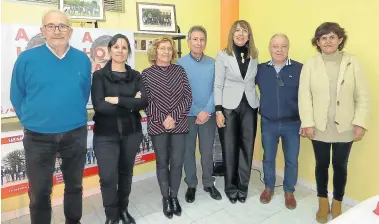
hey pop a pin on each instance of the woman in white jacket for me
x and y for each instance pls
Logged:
(334, 111)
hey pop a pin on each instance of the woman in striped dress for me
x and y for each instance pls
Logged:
(170, 98)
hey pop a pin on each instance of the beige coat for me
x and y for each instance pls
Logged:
(352, 95)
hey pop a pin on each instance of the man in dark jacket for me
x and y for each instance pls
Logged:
(278, 81)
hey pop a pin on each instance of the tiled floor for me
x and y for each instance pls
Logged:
(146, 207)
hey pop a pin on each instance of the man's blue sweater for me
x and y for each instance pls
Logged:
(201, 78)
(279, 91)
(50, 94)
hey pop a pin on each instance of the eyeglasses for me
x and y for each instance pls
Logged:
(279, 80)
(61, 27)
(169, 49)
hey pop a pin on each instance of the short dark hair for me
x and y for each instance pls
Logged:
(114, 39)
(326, 28)
(101, 41)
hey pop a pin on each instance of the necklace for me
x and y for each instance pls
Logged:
(243, 59)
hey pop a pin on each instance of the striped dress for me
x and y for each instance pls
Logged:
(169, 93)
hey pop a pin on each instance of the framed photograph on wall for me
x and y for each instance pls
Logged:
(156, 17)
(83, 9)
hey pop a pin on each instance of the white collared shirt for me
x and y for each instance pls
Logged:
(51, 49)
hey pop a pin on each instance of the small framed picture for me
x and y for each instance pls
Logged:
(83, 9)
(142, 44)
(156, 17)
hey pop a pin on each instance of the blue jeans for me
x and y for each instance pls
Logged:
(288, 131)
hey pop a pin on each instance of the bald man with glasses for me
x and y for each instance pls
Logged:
(50, 89)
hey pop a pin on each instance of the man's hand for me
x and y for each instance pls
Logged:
(112, 100)
(138, 95)
(358, 132)
(202, 117)
(169, 123)
(220, 120)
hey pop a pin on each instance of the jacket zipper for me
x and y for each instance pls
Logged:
(277, 97)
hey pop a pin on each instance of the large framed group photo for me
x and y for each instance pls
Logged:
(155, 17)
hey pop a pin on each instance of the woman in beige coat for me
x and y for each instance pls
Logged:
(334, 111)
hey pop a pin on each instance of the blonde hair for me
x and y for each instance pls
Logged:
(252, 50)
(152, 50)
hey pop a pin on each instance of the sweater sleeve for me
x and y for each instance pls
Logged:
(152, 110)
(361, 97)
(194, 108)
(210, 104)
(98, 96)
(18, 86)
(133, 103)
(183, 108)
(305, 98)
(87, 85)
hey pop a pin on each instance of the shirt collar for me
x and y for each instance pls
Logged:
(288, 62)
(198, 60)
(52, 51)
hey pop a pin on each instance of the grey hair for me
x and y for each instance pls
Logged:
(197, 28)
(55, 11)
(279, 35)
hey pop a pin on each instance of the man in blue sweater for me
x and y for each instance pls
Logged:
(278, 81)
(49, 91)
(201, 118)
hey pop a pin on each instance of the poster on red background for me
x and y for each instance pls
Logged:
(14, 179)
(17, 38)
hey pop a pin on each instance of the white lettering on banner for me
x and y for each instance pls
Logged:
(17, 38)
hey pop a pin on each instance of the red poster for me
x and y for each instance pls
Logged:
(13, 173)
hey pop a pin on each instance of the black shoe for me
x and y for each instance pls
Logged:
(111, 222)
(126, 218)
(213, 192)
(176, 209)
(190, 194)
(167, 207)
(242, 199)
(232, 200)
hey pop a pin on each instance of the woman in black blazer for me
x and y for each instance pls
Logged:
(117, 97)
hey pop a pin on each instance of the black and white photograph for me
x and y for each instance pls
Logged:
(156, 17)
(83, 9)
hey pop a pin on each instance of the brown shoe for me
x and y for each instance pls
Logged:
(323, 210)
(266, 196)
(336, 209)
(290, 200)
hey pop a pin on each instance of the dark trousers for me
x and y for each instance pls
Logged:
(238, 147)
(40, 156)
(288, 131)
(115, 158)
(340, 156)
(206, 133)
(169, 151)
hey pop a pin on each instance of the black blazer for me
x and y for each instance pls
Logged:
(123, 118)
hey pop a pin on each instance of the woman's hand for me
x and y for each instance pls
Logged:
(358, 132)
(220, 120)
(169, 123)
(112, 100)
(309, 132)
(138, 95)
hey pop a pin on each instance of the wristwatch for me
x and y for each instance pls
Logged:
(218, 112)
